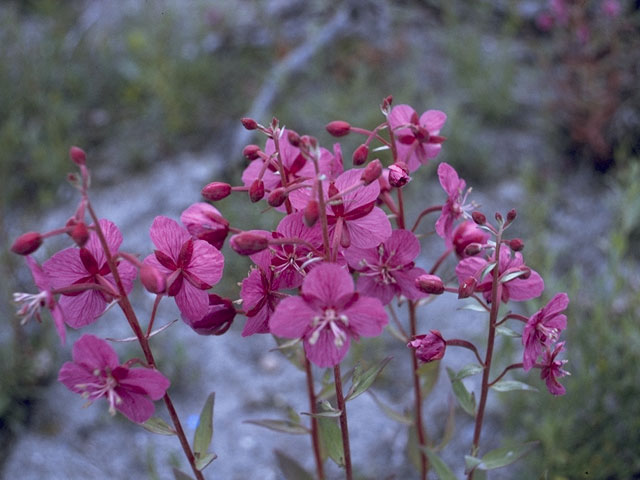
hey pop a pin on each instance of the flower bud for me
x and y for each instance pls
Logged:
(399, 175)
(256, 190)
(479, 217)
(249, 123)
(516, 244)
(429, 347)
(277, 197)
(386, 105)
(468, 239)
(360, 155)
(471, 250)
(294, 138)
(338, 128)
(511, 215)
(311, 213)
(215, 191)
(205, 222)
(80, 234)
(371, 172)
(251, 152)
(248, 243)
(78, 156)
(218, 318)
(27, 243)
(499, 218)
(431, 284)
(467, 287)
(152, 279)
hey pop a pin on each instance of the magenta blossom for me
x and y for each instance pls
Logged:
(429, 347)
(454, 207)
(88, 265)
(543, 329)
(388, 269)
(96, 372)
(552, 370)
(417, 138)
(32, 304)
(327, 315)
(517, 289)
(465, 234)
(205, 222)
(191, 266)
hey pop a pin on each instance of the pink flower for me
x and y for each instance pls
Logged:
(465, 234)
(417, 138)
(218, 318)
(552, 370)
(388, 269)
(543, 329)
(205, 222)
(327, 315)
(33, 303)
(454, 207)
(517, 289)
(260, 294)
(191, 266)
(74, 266)
(96, 372)
(429, 347)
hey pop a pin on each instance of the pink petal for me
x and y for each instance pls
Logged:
(403, 247)
(258, 323)
(428, 151)
(40, 278)
(153, 382)
(469, 267)
(293, 226)
(557, 304)
(153, 261)
(324, 352)
(64, 268)
(292, 318)
(112, 236)
(360, 196)
(192, 302)
(135, 406)
(433, 120)
(367, 317)
(327, 282)
(58, 320)
(520, 289)
(355, 255)
(400, 115)
(406, 283)
(407, 154)
(252, 290)
(71, 375)
(168, 236)
(371, 287)
(93, 353)
(449, 179)
(84, 309)
(370, 230)
(206, 263)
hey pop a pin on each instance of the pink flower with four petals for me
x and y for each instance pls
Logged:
(543, 329)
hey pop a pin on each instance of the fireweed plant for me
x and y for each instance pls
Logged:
(329, 273)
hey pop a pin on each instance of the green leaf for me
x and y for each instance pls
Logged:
(203, 461)
(290, 468)
(510, 385)
(439, 466)
(325, 410)
(331, 439)
(507, 332)
(474, 307)
(510, 276)
(284, 426)
(466, 400)
(468, 371)
(204, 431)
(470, 462)
(389, 412)
(159, 426)
(501, 457)
(180, 475)
(429, 373)
(413, 452)
(363, 380)
(486, 270)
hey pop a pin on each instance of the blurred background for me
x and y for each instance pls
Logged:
(543, 113)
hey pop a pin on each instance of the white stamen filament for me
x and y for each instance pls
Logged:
(31, 303)
(330, 320)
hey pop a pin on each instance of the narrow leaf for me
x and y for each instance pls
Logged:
(510, 276)
(180, 475)
(159, 426)
(501, 457)
(290, 468)
(507, 332)
(203, 462)
(487, 269)
(391, 413)
(135, 339)
(473, 307)
(284, 426)
(470, 462)
(510, 385)
(204, 431)
(468, 371)
(466, 400)
(439, 466)
(331, 438)
(363, 380)
(429, 373)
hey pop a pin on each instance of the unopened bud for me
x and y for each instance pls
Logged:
(479, 218)
(215, 191)
(78, 156)
(80, 234)
(386, 104)
(360, 154)
(249, 123)
(498, 217)
(468, 239)
(311, 213)
(218, 318)
(526, 273)
(251, 152)
(152, 279)
(471, 250)
(511, 215)
(338, 128)
(429, 347)
(399, 175)
(467, 287)
(294, 138)
(248, 243)
(27, 243)
(256, 190)
(431, 284)
(310, 143)
(516, 244)
(277, 197)
(371, 172)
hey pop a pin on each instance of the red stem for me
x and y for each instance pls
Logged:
(419, 423)
(315, 439)
(344, 427)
